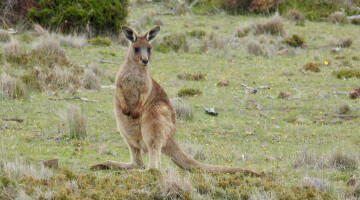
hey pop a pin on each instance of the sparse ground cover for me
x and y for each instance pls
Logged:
(308, 139)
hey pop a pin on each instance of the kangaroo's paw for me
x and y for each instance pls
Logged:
(126, 110)
(136, 113)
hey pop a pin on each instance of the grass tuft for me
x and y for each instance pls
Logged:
(338, 18)
(14, 53)
(344, 42)
(75, 121)
(175, 187)
(100, 41)
(91, 81)
(183, 110)
(342, 161)
(11, 88)
(254, 48)
(347, 73)
(296, 17)
(242, 31)
(196, 33)
(188, 92)
(4, 36)
(273, 26)
(314, 67)
(47, 51)
(173, 42)
(192, 77)
(294, 41)
(73, 41)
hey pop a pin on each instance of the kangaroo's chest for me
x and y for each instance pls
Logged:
(132, 85)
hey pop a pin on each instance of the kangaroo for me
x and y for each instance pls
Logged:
(144, 115)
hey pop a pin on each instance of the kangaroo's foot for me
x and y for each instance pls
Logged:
(114, 165)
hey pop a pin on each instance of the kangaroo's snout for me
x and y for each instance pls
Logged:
(144, 62)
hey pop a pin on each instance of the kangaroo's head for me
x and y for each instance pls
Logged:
(140, 47)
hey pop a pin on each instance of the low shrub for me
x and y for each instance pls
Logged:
(188, 92)
(174, 42)
(312, 67)
(47, 51)
(193, 77)
(273, 26)
(347, 73)
(80, 16)
(338, 18)
(4, 36)
(196, 33)
(294, 41)
(344, 42)
(31, 80)
(14, 53)
(75, 121)
(296, 17)
(254, 48)
(242, 31)
(343, 161)
(100, 41)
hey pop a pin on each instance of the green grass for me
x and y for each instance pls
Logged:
(268, 138)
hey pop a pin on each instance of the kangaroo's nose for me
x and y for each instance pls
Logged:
(145, 62)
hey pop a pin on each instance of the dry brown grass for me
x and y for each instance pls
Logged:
(96, 69)
(212, 41)
(344, 42)
(62, 78)
(13, 52)
(75, 121)
(296, 17)
(183, 111)
(273, 26)
(319, 184)
(40, 31)
(338, 18)
(77, 41)
(47, 51)
(4, 36)
(10, 87)
(254, 48)
(91, 81)
(175, 186)
(309, 160)
(342, 161)
(243, 31)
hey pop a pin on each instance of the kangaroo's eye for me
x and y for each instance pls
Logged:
(149, 50)
(137, 50)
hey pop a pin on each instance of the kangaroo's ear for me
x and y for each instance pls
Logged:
(129, 33)
(152, 33)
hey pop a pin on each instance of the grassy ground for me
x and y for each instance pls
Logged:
(287, 139)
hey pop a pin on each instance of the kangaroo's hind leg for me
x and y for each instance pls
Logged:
(136, 161)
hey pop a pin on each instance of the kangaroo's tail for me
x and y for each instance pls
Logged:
(184, 161)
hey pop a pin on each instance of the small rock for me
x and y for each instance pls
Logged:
(281, 52)
(335, 50)
(283, 95)
(223, 83)
(211, 111)
(53, 163)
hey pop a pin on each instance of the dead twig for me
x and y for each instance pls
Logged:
(253, 90)
(108, 61)
(172, 11)
(73, 97)
(13, 119)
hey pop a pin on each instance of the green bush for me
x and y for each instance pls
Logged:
(102, 16)
(174, 42)
(294, 41)
(188, 92)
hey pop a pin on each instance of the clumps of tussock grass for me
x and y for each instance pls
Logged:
(77, 41)
(175, 42)
(75, 122)
(296, 17)
(347, 73)
(100, 41)
(242, 31)
(338, 18)
(96, 69)
(254, 47)
(62, 78)
(354, 192)
(4, 36)
(91, 81)
(15, 170)
(32, 80)
(344, 109)
(309, 160)
(355, 20)
(192, 77)
(294, 41)
(40, 31)
(157, 22)
(104, 149)
(319, 184)
(273, 26)
(212, 41)
(13, 52)
(26, 38)
(183, 110)
(188, 92)
(314, 67)
(355, 93)
(175, 186)
(199, 34)
(47, 50)
(344, 42)
(11, 88)
(342, 161)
